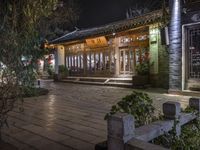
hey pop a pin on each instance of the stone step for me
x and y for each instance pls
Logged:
(118, 84)
(93, 79)
(127, 85)
(120, 81)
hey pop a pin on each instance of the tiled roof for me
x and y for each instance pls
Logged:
(145, 19)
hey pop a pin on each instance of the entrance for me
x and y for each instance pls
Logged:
(192, 55)
(126, 61)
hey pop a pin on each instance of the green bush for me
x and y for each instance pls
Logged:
(137, 104)
(50, 71)
(143, 68)
(189, 138)
(63, 71)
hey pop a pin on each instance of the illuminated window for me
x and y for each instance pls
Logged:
(81, 61)
(92, 62)
(88, 61)
(97, 63)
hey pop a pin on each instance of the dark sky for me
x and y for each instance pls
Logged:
(98, 12)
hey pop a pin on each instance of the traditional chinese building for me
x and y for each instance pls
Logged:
(115, 49)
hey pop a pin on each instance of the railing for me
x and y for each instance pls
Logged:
(122, 134)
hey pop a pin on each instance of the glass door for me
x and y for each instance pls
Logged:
(126, 61)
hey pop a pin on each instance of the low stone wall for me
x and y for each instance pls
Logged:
(122, 134)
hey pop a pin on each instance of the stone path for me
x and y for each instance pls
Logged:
(71, 116)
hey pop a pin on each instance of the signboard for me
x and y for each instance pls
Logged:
(134, 40)
(97, 42)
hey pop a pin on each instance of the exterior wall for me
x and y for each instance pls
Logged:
(153, 48)
(159, 58)
(163, 57)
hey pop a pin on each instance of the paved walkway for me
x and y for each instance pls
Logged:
(70, 117)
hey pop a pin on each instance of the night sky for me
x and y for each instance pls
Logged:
(99, 12)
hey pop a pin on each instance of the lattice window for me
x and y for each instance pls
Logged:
(194, 52)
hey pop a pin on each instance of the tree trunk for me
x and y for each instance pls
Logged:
(175, 56)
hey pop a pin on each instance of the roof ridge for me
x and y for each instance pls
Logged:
(67, 34)
(110, 27)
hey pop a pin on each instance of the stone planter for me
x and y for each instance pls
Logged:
(140, 80)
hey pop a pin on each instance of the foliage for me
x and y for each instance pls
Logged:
(142, 7)
(142, 68)
(63, 71)
(137, 104)
(63, 19)
(50, 71)
(189, 109)
(19, 49)
(189, 138)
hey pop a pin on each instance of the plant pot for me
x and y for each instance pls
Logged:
(140, 80)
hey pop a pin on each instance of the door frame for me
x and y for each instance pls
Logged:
(124, 72)
(185, 55)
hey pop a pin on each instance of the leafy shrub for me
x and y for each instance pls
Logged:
(50, 71)
(189, 138)
(63, 70)
(143, 68)
(137, 104)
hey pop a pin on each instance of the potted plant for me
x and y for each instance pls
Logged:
(50, 71)
(142, 77)
(62, 73)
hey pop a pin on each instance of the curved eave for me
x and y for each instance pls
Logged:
(119, 26)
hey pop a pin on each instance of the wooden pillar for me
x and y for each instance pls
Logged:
(59, 58)
(175, 47)
(85, 62)
(117, 56)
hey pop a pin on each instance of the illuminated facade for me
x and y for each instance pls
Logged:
(114, 50)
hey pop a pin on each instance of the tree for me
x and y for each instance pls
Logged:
(63, 19)
(140, 7)
(20, 48)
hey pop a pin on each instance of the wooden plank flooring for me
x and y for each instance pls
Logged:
(71, 116)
